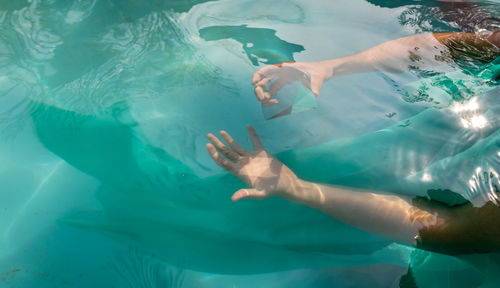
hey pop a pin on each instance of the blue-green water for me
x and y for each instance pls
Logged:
(104, 176)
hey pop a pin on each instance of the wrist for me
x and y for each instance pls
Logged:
(330, 67)
(343, 66)
(304, 192)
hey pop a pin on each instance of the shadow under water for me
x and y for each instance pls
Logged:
(153, 201)
(261, 46)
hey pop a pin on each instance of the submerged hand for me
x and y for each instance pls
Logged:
(258, 169)
(311, 74)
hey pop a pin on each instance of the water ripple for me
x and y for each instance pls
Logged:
(137, 270)
(20, 91)
(80, 10)
(39, 41)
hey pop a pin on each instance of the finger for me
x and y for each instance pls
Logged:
(235, 146)
(257, 144)
(224, 163)
(264, 82)
(270, 102)
(266, 71)
(316, 85)
(222, 148)
(248, 194)
(261, 94)
(257, 76)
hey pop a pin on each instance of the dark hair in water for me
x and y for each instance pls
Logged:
(399, 3)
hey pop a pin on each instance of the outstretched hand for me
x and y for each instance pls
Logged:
(312, 75)
(258, 169)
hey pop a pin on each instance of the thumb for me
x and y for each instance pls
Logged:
(249, 194)
(316, 84)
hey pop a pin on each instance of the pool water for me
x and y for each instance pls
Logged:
(104, 176)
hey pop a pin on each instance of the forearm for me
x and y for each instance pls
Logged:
(425, 223)
(385, 215)
(415, 52)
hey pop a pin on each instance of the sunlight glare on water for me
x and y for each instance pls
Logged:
(105, 178)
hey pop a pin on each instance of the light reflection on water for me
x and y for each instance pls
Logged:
(468, 114)
(124, 91)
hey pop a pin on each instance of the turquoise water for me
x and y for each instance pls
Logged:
(104, 108)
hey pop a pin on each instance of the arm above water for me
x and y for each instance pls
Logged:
(416, 222)
(418, 51)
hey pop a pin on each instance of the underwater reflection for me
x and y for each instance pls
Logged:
(480, 53)
(261, 45)
(161, 194)
(445, 16)
(151, 200)
(469, 115)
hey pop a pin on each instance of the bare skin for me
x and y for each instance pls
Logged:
(386, 215)
(419, 222)
(418, 51)
(426, 224)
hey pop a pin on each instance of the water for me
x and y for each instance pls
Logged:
(104, 108)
